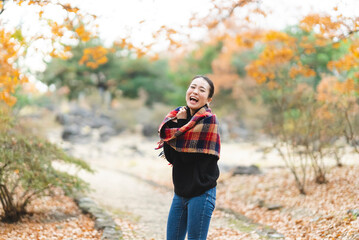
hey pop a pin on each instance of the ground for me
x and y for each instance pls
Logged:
(55, 217)
(134, 185)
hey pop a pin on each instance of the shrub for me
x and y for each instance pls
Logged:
(27, 168)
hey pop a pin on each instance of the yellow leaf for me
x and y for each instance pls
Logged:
(336, 45)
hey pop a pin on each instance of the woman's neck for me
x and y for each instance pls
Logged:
(193, 112)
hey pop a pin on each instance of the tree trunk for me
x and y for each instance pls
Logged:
(10, 210)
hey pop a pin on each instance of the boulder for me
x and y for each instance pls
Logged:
(246, 170)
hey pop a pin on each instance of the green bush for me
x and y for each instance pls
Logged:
(27, 168)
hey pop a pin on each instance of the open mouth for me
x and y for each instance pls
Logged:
(193, 100)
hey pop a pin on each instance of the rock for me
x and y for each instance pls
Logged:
(82, 126)
(103, 220)
(276, 235)
(106, 132)
(111, 234)
(87, 207)
(245, 170)
(269, 233)
(64, 119)
(101, 223)
(81, 112)
(150, 130)
(97, 122)
(224, 167)
(274, 207)
(70, 131)
(259, 203)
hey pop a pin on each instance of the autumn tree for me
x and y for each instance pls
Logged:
(15, 46)
(113, 69)
(27, 168)
(289, 67)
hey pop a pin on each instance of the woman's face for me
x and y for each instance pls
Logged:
(197, 94)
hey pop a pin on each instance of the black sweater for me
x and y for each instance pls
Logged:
(192, 173)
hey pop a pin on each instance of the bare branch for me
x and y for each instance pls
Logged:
(2, 6)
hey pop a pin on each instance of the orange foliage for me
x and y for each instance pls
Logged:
(299, 69)
(280, 50)
(94, 57)
(349, 61)
(326, 24)
(264, 67)
(69, 8)
(326, 90)
(10, 76)
(324, 113)
(247, 39)
(330, 27)
(224, 76)
(331, 90)
(346, 87)
(83, 34)
(14, 46)
(57, 29)
(276, 36)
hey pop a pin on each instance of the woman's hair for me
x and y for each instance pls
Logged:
(210, 83)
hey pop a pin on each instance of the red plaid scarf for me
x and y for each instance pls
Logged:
(199, 135)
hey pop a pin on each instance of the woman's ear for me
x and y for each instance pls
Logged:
(209, 100)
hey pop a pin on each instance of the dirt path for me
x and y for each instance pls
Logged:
(134, 184)
(129, 197)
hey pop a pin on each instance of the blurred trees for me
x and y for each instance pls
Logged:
(55, 36)
(93, 66)
(191, 63)
(307, 77)
(302, 83)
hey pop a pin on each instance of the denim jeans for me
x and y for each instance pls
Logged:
(191, 215)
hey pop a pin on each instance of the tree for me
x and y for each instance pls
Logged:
(82, 71)
(289, 67)
(14, 46)
(93, 66)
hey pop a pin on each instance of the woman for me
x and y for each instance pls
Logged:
(191, 142)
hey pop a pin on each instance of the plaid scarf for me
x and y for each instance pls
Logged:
(199, 135)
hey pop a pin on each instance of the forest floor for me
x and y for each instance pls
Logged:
(134, 184)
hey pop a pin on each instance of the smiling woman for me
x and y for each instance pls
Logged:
(191, 142)
(199, 93)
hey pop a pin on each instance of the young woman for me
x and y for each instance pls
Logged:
(191, 142)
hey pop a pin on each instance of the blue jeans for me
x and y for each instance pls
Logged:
(191, 215)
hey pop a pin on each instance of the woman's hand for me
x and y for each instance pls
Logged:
(182, 113)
